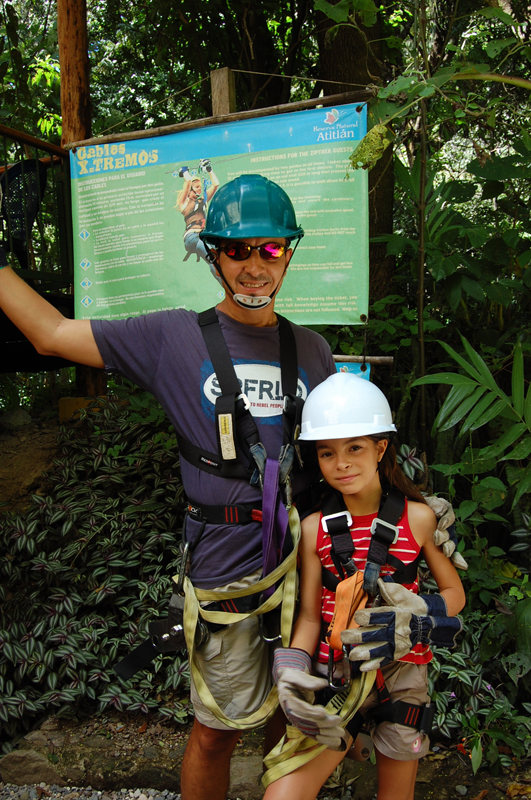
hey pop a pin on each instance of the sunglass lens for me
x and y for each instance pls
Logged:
(238, 251)
(271, 251)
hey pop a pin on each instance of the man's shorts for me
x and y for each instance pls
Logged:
(407, 682)
(236, 667)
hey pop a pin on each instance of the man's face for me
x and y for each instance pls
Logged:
(256, 276)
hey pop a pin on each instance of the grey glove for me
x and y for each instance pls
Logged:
(445, 534)
(296, 693)
(205, 165)
(388, 632)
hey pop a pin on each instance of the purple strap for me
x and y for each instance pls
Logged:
(274, 521)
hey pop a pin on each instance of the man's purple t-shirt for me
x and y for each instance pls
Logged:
(165, 354)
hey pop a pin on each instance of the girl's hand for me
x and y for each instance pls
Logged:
(389, 632)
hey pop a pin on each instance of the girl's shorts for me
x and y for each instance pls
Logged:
(409, 683)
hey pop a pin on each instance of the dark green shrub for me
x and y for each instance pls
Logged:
(87, 566)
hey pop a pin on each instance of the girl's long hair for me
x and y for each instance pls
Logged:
(390, 472)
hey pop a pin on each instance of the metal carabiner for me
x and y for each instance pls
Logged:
(183, 569)
(345, 685)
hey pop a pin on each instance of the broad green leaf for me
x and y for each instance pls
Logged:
(524, 484)
(338, 12)
(462, 362)
(396, 244)
(445, 421)
(472, 288)
(478, 411)
(459, 191)
(455, 397)
(506, 440)
(520, 452)
(453, 291)
(490, 492)
(404, 179)
(367, 11)
(403, 84)
(483, 370)
(499, 294)
(518, 380)
(466, 508)
(527, 407)
(497, 169)
(491, 413)
(511, 239)
(448, 378)
(495, 47)
(501, 15)
(477, 236)
(492, 189)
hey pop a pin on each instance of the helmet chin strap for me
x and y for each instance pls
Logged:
(249, 302)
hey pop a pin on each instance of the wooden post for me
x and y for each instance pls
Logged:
(76, 117)
(223, 92)
(73, 59)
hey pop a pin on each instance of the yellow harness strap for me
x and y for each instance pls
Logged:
(285, 593)
(295, 749)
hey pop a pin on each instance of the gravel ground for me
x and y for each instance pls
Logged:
(42, 791)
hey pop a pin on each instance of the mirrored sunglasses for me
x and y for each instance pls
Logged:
(240, 251)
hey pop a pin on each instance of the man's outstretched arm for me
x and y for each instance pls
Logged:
(47, 329)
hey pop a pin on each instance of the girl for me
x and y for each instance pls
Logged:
(350, 421)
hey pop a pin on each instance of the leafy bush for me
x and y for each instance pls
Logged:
(87, 566)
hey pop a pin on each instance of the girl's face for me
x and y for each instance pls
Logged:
(351, 465)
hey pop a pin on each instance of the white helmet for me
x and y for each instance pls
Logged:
(344, 406)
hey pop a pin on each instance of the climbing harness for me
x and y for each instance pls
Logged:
(240, 455)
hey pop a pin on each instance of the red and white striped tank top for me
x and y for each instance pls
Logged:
(405, 549)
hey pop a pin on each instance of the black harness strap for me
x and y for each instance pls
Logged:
(233, 419)
(240, 514)
(235, 426)
(384, 533)
(337, 520)
(411, 715)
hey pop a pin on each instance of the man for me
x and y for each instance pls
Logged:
(192, 202)
(249, 231)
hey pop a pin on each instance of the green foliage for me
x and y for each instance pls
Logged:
(477, 693)
(87, 566)
(476, 400)
(29, 69)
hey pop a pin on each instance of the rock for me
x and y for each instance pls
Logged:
(36, 737)
(100, 742)
(14, 418)
(22, 767)
(245, 773)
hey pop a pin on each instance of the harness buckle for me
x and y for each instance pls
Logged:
(246, 401)
(347, 514)
(393, 528)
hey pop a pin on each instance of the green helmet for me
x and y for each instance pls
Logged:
(249, 207)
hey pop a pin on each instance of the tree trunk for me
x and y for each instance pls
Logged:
(76, 115)
(73, 59)
(346, 57)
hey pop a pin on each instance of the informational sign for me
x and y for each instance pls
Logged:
(139, 205)
(361, 370)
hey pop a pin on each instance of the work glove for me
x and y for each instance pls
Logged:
(205, 165)
(296, 693)
(445, 533)
(388, 632)
(182, 171)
